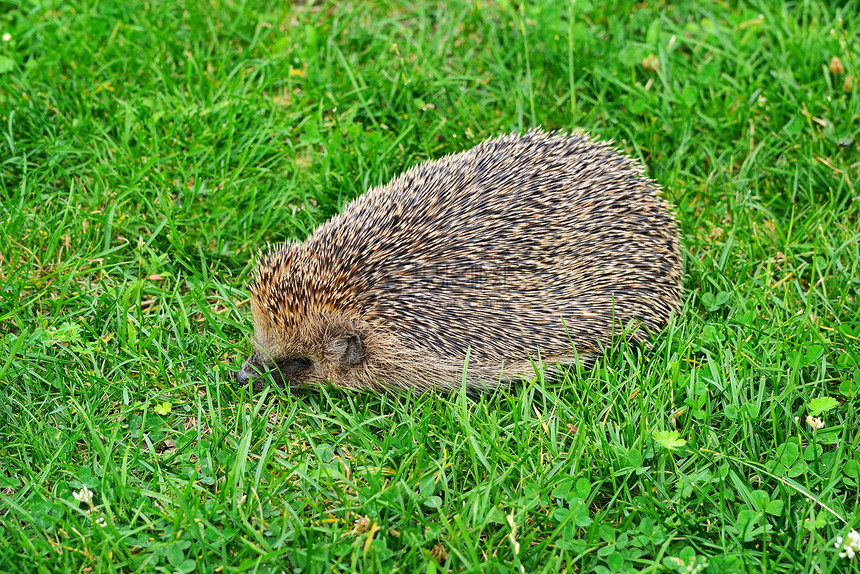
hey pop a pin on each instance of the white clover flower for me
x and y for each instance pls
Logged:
(101, 521)
(851, 547)
(7, 36)
(814, 422)
(84, 495)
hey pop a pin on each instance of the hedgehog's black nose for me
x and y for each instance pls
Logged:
(243, 376)
(246, 374)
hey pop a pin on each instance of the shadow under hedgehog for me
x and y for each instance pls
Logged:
(525, 246)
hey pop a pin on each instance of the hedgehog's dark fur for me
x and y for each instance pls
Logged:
(518, 249)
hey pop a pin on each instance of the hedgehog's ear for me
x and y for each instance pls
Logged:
(349, 349)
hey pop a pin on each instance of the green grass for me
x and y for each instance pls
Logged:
(149, 148)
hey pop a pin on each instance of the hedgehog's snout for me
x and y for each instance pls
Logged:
(245, 375)
(290, 371)
(248, 373)
(254, 372)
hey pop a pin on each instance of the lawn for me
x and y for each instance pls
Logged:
(149, 149)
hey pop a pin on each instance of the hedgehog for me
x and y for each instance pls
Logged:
(525, 250)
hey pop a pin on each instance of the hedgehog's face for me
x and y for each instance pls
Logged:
(322, 349)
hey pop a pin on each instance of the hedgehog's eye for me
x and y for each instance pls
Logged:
(299, 362)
